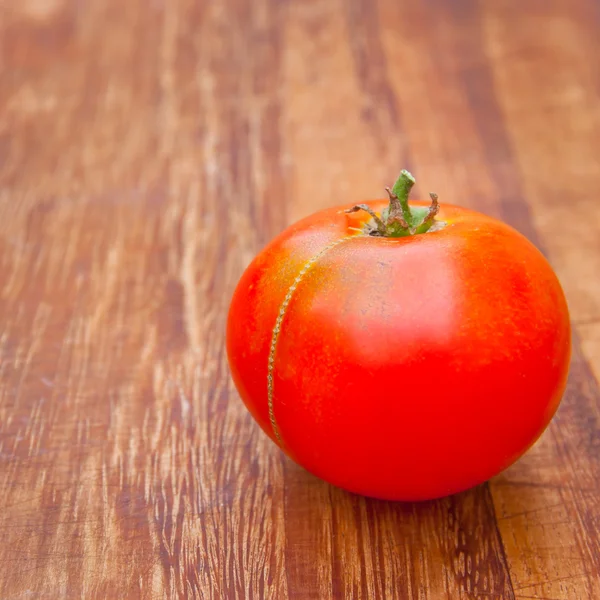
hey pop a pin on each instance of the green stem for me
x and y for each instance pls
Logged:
(398, 219)
(401, 190)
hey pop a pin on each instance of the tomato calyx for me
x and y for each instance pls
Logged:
(398, 219)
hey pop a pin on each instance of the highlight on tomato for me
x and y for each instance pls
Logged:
(402, 351)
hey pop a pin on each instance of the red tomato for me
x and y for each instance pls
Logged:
(402, 368)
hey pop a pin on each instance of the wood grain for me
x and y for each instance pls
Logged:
(147, 151)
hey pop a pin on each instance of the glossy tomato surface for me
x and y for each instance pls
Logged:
(400, 368)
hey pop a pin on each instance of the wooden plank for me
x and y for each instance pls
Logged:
(147, 151)
(363, 141)
(127, 471)
(565, 561)
(551, 545)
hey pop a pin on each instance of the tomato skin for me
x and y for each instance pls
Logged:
(405, 368)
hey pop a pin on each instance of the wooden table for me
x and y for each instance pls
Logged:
(148, 149)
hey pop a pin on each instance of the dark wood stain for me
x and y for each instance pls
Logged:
(146, 156)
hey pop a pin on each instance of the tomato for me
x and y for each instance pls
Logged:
(400, 354)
